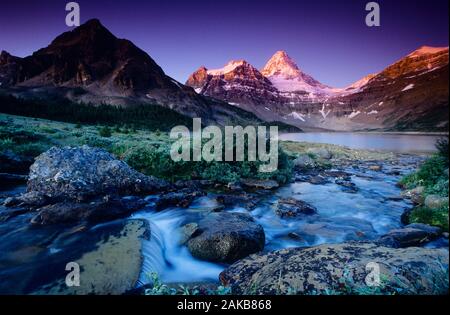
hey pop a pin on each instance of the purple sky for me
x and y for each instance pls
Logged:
(327, 38)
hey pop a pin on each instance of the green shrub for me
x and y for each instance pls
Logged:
(429, 175)
(94, 141)
(47, 129)
(435, 217)
(105, 132)
(156, 160)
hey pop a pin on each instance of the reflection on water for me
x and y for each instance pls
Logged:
(369, 141)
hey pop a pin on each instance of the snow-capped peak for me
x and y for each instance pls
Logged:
(285, 75)
(426, 50)
(229, 67)
(281, 65)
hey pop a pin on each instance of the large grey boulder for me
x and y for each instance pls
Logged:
(78, 173)
(341, 268)
(225, 237)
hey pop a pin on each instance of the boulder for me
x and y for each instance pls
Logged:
(376, 168)
(347, 185)
(318, 180)
(180, 199)
(415, 194)
(96, 211)
(266, 184)
(290, 207)
(321, 153)
(79, 173)
(243, 200)
(340, 269)
(435, 201)
(412, 235)
(226, 237)
(337, 174)
(304, 162)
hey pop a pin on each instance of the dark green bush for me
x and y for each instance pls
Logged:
(105, 132)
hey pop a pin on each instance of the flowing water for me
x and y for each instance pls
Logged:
(341, 216)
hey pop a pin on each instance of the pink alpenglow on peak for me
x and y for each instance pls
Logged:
(286, 76)
(427, 50)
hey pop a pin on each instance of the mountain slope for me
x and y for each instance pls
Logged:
(90, 65)
(411, 94)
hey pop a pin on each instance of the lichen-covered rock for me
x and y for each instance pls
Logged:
(226, 237)
(78, 173)
(339, 268)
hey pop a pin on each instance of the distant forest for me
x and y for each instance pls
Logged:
(149, 117)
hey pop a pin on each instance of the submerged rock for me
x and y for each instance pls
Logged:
(290, 207)
(340, 268)
(79, 173)
(110, 266)
(225, 237)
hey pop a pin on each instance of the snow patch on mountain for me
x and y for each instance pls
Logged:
(298, 116)
(229, 67)
(408, 87)
(354, 114)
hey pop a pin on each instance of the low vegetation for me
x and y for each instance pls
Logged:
(146, 151)
(433, 176)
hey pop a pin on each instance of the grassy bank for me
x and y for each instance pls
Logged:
(431, 181)
(146, 151)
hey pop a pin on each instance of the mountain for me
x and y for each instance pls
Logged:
(411, 94)
(238, 83)
(91, 65)
(285, 75)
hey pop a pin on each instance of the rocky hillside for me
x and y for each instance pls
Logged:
(411, 94)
